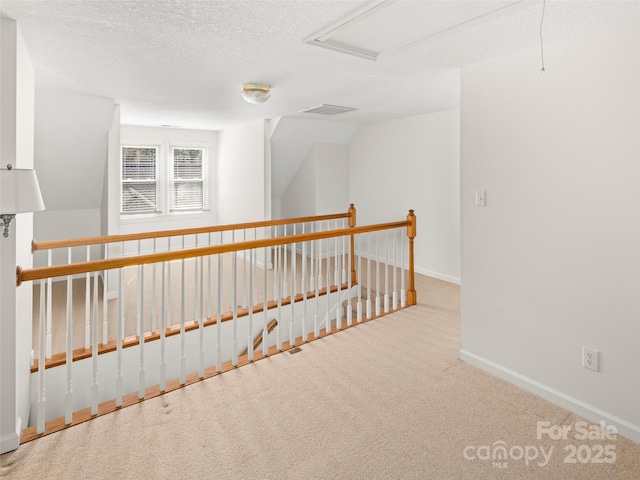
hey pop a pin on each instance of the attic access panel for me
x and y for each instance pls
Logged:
(384, 26)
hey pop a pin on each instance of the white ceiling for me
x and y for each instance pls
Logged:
(181, 62)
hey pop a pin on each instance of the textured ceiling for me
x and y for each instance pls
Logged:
(182, 62)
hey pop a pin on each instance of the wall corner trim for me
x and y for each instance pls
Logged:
(11, 441)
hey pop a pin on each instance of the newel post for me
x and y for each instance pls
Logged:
(411, 234)
(352, 223)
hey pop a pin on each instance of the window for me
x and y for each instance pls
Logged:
(159, 183)
(139, 179)
(188, 179)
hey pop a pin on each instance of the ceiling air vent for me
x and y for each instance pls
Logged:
(325, 109)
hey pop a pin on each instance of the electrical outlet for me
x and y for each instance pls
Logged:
(590, 359)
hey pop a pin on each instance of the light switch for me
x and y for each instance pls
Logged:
(481, 198)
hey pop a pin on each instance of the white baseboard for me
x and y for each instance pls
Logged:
(591, 413)
(438, 275)
(11, 441)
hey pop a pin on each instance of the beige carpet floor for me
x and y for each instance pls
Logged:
(388, 399)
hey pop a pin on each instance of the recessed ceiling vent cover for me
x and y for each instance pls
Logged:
(383, 26)
(325, 109)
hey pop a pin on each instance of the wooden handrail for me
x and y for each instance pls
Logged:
(77, 242)
(258, 340)
(24, 275)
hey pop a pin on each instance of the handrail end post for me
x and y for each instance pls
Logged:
(352, 224)
(412, 296)
(352, 215)
(411, 229)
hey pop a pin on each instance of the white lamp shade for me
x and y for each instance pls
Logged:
(19, 191)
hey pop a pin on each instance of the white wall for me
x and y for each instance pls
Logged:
(321, 184)
(299, 198)
(16, 140)
(269, 126)
(552, 262)
(276, 208)
(412, 163)
(70, 158)
(332, 177)
(110, 211)
(71, 147)
(241, 174)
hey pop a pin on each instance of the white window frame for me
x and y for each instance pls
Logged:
(156, 180)
(172, 179)
(165, 180)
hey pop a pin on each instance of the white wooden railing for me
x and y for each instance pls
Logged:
(196, 309)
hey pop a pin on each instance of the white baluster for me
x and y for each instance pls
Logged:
(195, 285)
(344, 263)
(234, 295)
(183, 355)
(68, 417)
(122, 298)
(319, 255)
(265, 333)
(255, 271)
(316, 325)
(87, 305)
(41, 363)
(336, 259)
(94, 348)
(327, 324)
(141, 330)
(285, 288)
(368, 306)
(244, 271)
(119, 335)
(49, 310)
(163, 330)
(276, 265)
(201, 320)
(312, 283)
(338, 289)
(169, 315)
(219, 317)
(386, 275)
(209, 299)
(154, 324)
(294, 265)
(395, 270)
(139, 302)
(403, 292)
(250, 344)
(303, 287)
(279, 298)
(359, 275)
(377, 273)
(292, 338)
(105, 287)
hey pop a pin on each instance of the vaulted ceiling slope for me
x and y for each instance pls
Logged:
(181, 62)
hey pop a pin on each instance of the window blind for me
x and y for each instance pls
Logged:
(188, 179)
(139, 179)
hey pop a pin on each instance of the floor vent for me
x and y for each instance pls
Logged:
(325, 109)
(295, 350)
